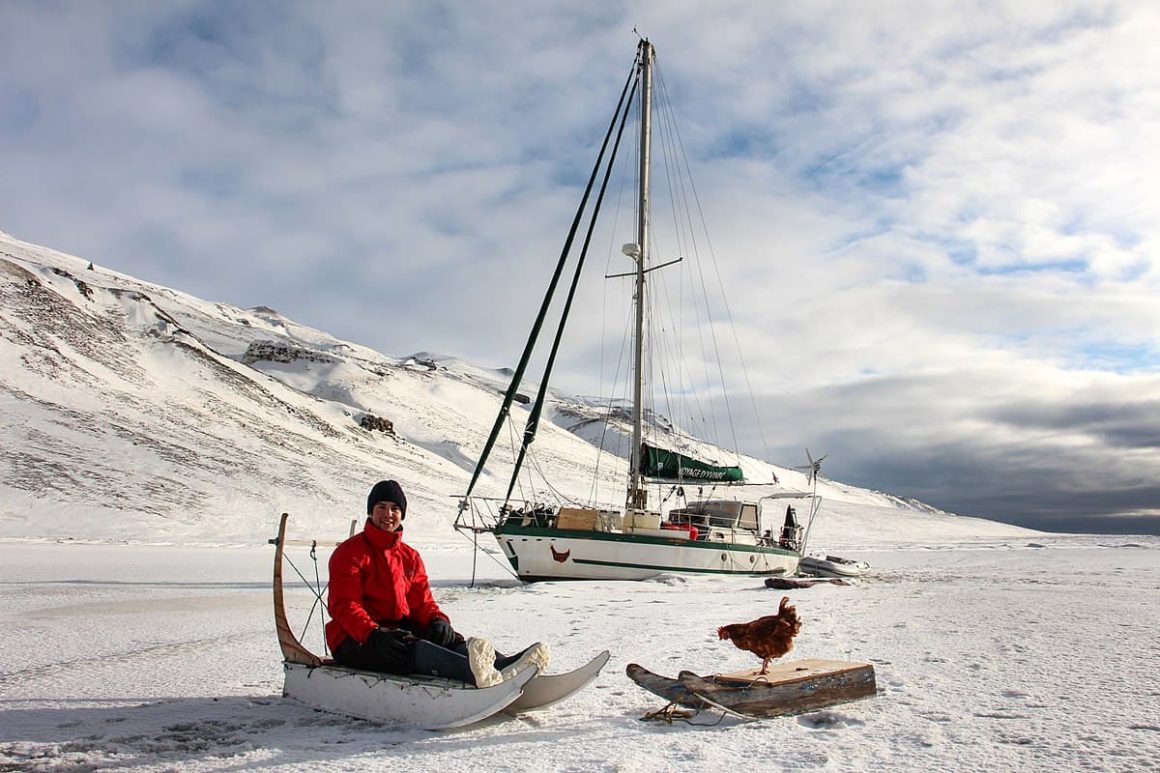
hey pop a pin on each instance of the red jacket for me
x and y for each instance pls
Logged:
(376, 579)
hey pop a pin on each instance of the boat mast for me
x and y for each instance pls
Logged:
(637, 496)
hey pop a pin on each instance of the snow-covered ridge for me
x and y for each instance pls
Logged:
(135, 411)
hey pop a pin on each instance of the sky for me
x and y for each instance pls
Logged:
(937, 221)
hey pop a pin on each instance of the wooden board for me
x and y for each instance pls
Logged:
(579, 518)
(789, 671)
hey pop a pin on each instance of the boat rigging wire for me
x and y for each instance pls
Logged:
(518, 374)
(541, 394)
(679, 145)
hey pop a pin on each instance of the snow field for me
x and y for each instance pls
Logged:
(995, 655)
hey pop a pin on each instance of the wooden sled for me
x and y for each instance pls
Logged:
(789, 688)
(793, 583)
(426, 702)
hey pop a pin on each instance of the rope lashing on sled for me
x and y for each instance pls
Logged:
(318, 594)
(316, 588)
(753, 682)
(675, 712)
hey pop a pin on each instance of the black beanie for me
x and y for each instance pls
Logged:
(387, 491)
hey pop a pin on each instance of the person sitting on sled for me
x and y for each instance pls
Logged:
(384, 617)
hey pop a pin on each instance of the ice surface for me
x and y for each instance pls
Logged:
(990, 655)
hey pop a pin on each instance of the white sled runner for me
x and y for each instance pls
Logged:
(548, 689)
(429, 703)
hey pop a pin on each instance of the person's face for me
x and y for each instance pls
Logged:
(387, 516)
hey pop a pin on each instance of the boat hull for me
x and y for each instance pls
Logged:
(541, 554)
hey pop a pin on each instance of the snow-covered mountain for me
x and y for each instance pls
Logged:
(133, 411)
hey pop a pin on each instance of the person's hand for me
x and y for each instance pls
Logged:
(440, 632)
(392, 645)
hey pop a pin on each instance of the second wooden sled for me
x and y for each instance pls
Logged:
(789, 688)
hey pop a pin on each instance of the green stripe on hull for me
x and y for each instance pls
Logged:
(603, 536)
(683, 570)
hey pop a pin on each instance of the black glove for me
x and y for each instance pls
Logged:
(392, 646)
(440, 632)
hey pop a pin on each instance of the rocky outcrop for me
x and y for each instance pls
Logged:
(82, 286)
(377, 424)
(275, 351)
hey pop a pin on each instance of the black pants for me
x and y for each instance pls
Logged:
(354, 655)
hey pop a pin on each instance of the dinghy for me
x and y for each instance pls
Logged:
(832, 566)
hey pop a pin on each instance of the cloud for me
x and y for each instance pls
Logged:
(997, 441)
(937, 223)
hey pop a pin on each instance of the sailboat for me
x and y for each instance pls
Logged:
(714, 534)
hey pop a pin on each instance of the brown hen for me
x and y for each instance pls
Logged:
(767, 637)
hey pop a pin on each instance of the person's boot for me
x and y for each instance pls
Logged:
(538, 654)
(433, 660)
(481, 659)
(535, 655)
(480, 654)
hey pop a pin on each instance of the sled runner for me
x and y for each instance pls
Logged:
(795, 687)
(426, 702)
(548, 689)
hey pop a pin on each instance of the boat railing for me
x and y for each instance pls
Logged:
(486, 514)
(791, 534)
(479, 514)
